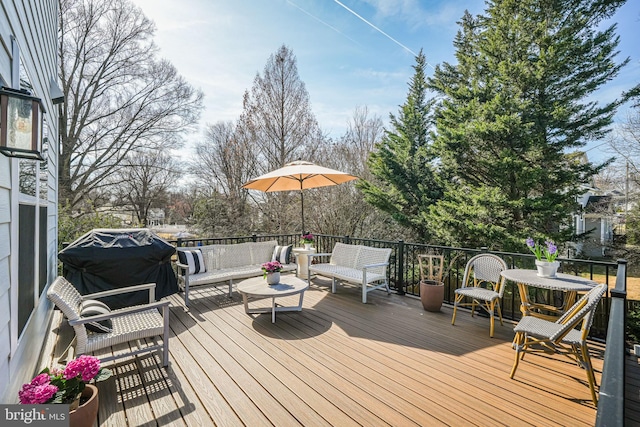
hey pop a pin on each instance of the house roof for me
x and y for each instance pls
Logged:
(598, 204)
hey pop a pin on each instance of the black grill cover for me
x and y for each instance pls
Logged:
(104, 259)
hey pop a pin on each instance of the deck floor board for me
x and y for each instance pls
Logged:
(340, 362)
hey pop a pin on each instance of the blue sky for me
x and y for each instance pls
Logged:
(220, 45)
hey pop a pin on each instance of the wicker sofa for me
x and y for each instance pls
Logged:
(226, 263)
(361, 265)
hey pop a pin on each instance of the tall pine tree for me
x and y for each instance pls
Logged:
(512, 110)
(402, 161)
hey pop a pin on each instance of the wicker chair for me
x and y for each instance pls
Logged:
(535, 335)
(483, 284)
(127, 324)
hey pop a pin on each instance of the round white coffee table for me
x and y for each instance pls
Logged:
(257, 288)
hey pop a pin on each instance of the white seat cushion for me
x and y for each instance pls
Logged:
(478, 293)
(224, 274)
(542, 328)
(213, 276)
(128, 328)
(345, 273)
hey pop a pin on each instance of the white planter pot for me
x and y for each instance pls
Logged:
(273, 278)
(307, 246)
(547, 269)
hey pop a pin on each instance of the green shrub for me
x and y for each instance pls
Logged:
(633, 324)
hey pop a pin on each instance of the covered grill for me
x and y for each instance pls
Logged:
(105, 259)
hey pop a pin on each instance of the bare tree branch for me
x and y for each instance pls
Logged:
(144, 180)
(120, 98)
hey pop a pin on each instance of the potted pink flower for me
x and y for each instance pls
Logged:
(271, 271)
(307, 240)
(68, 386)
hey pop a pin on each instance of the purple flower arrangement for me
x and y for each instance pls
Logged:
(549, 251)
(63, 385)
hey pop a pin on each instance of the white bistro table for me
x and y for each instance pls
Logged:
(257, 288)
(567, 283)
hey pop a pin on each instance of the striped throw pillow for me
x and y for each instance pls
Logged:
(281, 254)
(193, 259)
(91, 307)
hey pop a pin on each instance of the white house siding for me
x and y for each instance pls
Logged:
(33, 24)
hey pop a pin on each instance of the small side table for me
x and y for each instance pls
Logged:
(302, 260)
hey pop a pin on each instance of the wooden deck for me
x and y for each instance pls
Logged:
(340, 362)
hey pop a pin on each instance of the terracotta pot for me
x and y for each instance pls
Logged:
(431, 294)
(273, 278)
(86, 413)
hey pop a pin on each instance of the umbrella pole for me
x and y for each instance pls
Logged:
(302, 209)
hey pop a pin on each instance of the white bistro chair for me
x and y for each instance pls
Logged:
(536, 335)
(483, 285)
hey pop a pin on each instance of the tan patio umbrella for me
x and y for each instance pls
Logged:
(298, 175)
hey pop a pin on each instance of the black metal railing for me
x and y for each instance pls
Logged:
(612, 386)
(283, 239)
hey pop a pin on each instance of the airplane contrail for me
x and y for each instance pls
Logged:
(322, 22)
(377, 29)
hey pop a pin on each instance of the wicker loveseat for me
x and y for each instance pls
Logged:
(226, 263)
(362, 265)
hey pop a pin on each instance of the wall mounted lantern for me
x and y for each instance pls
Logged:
(20, 124)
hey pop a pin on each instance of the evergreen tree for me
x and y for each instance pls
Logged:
(513, 112)
(402, 161)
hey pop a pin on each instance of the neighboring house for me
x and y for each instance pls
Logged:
(596, 218)
(156, 218)
(28, 193)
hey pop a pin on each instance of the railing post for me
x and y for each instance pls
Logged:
(346, 240)
(400, 268)
(179, 242)
(254, 237)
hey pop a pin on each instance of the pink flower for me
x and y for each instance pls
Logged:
(41, 379)
(86, 366)
(63, 385)
(271, 267)
(38, 391)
